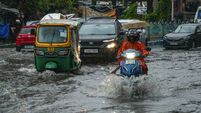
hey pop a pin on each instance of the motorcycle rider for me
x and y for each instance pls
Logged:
(133, 43)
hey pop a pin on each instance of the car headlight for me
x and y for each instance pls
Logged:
(39, 52)
(187, 37)
(130, 55)
(164, 37)
(111, 45)
(108, 40)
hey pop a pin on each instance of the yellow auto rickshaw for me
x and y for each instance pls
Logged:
(57, 45)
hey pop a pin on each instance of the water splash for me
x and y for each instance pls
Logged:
(29, 69)
(3, 62)
(133, 87)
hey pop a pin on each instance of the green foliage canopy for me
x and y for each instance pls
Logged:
(163, 12)
(130, 13)
(33, 7)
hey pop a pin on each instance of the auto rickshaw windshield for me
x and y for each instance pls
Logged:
(52, 34)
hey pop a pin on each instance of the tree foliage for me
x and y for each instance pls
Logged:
(163, 12)
(130, 13)
(37, 7)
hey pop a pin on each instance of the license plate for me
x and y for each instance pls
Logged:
(90, 50)
(29, 47)
(50, 49)
(130, 61)
(173, 43)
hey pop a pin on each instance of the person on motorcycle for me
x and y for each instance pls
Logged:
(133, 43)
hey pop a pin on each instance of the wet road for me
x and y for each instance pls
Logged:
(172, 86)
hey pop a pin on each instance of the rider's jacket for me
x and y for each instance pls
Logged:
(137, 46)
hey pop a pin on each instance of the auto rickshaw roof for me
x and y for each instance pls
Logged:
(71, 23)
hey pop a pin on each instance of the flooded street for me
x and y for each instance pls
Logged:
(173, 85)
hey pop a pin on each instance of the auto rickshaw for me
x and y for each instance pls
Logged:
(57, 45)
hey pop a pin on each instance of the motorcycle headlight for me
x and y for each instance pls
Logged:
(111, 45)
(39, 52)
(130, 55)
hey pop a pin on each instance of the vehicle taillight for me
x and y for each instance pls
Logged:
(18, 37)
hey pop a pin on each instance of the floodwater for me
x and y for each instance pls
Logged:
(173, 85)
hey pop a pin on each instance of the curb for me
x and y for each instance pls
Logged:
(11, 45)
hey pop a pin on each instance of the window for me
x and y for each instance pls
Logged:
(52, 34)
(97, 29)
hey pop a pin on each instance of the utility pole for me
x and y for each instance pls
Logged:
(93, 2)
(125, 3)
(172, 17)
(114, 3)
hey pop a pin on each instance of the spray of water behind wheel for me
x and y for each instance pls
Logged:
(133, 87)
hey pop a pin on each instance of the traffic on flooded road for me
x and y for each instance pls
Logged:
(173, 85)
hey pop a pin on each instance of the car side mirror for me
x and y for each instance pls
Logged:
(33, 31)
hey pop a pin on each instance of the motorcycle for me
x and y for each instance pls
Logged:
(131, 64)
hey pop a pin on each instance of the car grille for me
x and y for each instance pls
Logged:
(175, 39)
(92, 43)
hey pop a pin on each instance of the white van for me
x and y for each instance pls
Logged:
(198, 15)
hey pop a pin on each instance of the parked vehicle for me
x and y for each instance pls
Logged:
(185, 36)
(57, 45)
(197, 18)
(100, 37)
(34, 22)
(142, 30)
(25, 40)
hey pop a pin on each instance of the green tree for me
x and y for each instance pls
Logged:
(163, 12)
(131, 12)
(36, 7)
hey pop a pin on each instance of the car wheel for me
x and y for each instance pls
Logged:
(193, 45)
(18, 49)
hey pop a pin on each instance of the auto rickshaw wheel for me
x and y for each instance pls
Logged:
(18, 49)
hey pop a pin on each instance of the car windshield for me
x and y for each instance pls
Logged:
(26, 30)
(52, 34)
(185, 29)
(97, 29)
